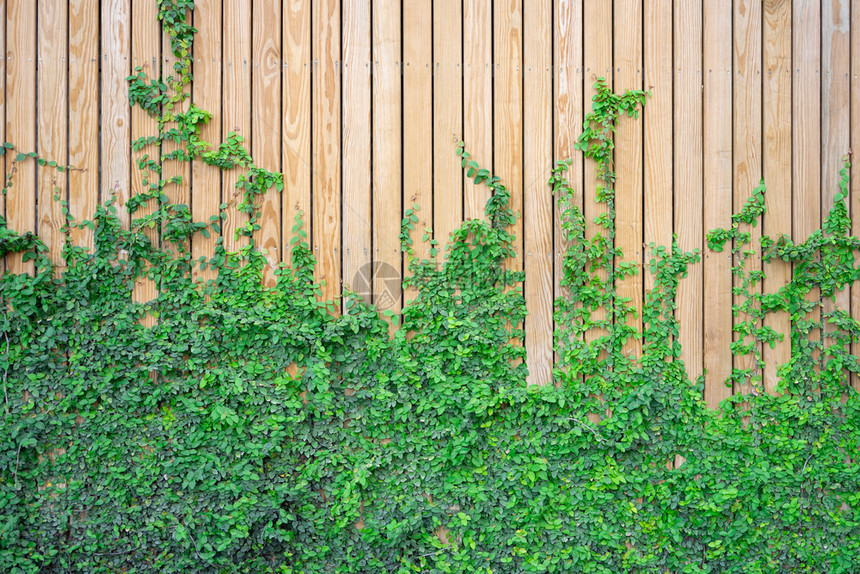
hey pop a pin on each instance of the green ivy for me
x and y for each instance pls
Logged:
(253, 429)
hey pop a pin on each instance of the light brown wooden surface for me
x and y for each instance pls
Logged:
(776, 105)
(717, 206)
(741, 89)
(21, 121)
(387, 159)
(206, 93)
(537, 201)
(357, 131)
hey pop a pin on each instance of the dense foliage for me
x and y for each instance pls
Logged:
(252, 429)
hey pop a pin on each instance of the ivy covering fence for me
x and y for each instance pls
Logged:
(253, 429)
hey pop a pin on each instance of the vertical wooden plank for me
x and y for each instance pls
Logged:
(236, 108)
(718, 183)
(21, 121)
(447, 119)
(179, 192)
(3, 115)
(296, 117)
(387, 154)
(537, 209)
(418, 122)
(266, 126)
(478, 98)
(835, 112)
(356, 133)
(628, 158)
(806, 122)
(854, 203)
(145, 53)
(777, 167)
(657, 121)
(688, 175)
(84, 31)
(747, 127)
(53, 102)
(115, 112)
(326, 145)
(508, 110)
(206, 92)
(597, 60)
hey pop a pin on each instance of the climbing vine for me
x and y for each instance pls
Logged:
(250, 429)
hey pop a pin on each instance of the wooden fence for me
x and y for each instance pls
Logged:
(359, 103)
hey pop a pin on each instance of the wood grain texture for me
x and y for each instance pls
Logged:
(447, 119)
(84, 29)
(537, 200)
(3, 123)
(206, 93)
(835, 113)
(52, 112)
(718, 183)
(296, 119)
(418, 123)
(326, 140)
(387, 154)
(688, 175)
(266, 126)
(597, 61)
(236, 112)
(146, 54)
(115, 166)
(747, 132)
(657, 119)
(567, 114)
(806, 124)
(357, 157)
(508, 111)
(21, 122)
(629, 159)
(478, 99)
(776, 164)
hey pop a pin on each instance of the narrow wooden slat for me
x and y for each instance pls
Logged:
(266, 126)
(146, 54)
(53, 102)
(629, 159)
(835, 112)
(718, 183)
(115, 164)
(447, 119)
(508, 110)
(3, 123)
(688, 175)
(568, 115)
(356, 131)
(236, 112)
(854, 203)
(417, 122)
(777, 167)
(657, 123)
(597, 61)
(806, 123)
(179, 192)
(296, 117)
(537, 216)
(326, 145)
(21, 121)
(747, 130)
(387, 154)
(83, 114)
(206, 92)
(478, 98)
